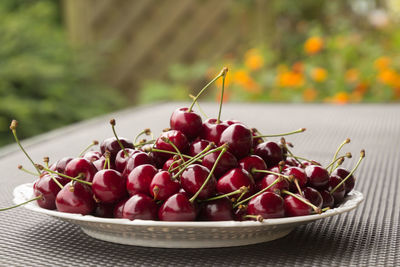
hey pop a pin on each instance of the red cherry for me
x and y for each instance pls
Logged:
(295, 207)
(270, 152)
(211, 131)
(239, 139)
(48, 189)
(318, 176)
(109, 186)
(268, 179)
(253, 162)
(198, 146)
(92, 156)
(163, 186)
(226, 162)
(99, 164)
(217, 210)
(313, 196)
(111, 144)
(140, 178)
(140, 206)
(292, 162)
(268, 205)
(257, 140)
(193, 177)
(339, 193)
(121, 159)
(62, 163)
(177, 208)
(327, 199)
(189, 123)
(118, 208)
(343, 173)
(235, 179)
(79, 166)
(137, 159)
(75, 198)
(104, 210)
(170, 164)
(297, 173)
(177, 138)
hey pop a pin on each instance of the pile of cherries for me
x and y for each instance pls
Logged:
(209, 170)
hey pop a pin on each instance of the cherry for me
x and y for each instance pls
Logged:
(230, 122)
(172, 163)
(256, 140)
(62, 164)
(234, 180)
(135, 160)
(104, 210)
(79, 166)
(192, 179)
(270, 152)
(122, 157)
(163, 186)
(188, 122)
(253, 162)
(327, 199)
(239, 139)
(177, 208)
(75, 198)
(339, 193)
(176, 137)
(217, 210)
(268, 179)
(91, 156)
(318, 177)
(139, 179)
(295, 207)
(305, 164)
(109, 186)
(211, 130)
(343, 173)
(268, 205)
(299, 176)
(198, 146)
(226, 162)
(99, 164)
(118, 208)
(140, 206)
(313, 196)
(292, 162)
(111, 144)
(48, 189)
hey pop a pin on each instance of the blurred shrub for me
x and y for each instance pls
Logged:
(43, 82)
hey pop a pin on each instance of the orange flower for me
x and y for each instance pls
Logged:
(341, 98)
(298, 67)
(253, 59)
(388, 77)
(242, 78)
(310, 94)
(396, 91)
(382, 63)
(313, 45)
(319, 74)
(351, 75)
(290, 79)
(356, 96)
(361, 88)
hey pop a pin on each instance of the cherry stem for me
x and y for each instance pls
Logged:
(241, 196)
(225, 71)
(27, 171)
(23, 203)
(362, 156)
(283, 141)
(174, 146)
(76, 179)
(204, 88)
(94, 143)
(209, 175)
(243, 189)
(325, 209)
(112, 122)
(338, 160)
(146, 131)
(46, 162)
(302, 199)
(13, 128)
(199, 107)
(282, 134)
(143, 142)
(279, 179)
(258, 218)
(296, 182)
(270, 172)
(171, 168)
(168, 152)
(298, 157)
(338, 149)
(107, 160)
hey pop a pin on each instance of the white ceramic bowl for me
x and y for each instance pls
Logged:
(184, 234)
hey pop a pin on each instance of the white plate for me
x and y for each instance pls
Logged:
(184, 234)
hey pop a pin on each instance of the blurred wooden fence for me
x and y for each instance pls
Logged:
(140, 38)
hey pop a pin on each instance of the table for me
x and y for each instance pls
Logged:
(368, 236)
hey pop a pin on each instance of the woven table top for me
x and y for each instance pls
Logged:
(367, 236)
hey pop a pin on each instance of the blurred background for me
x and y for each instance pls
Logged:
(62, 61)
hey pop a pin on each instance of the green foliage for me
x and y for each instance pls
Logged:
(44, 83)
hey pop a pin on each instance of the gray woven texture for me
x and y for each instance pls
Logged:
(368, 236)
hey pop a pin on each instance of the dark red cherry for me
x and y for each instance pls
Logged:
(79, 166)
(121, 159)
(269, 205)
(163, 186)
(92, 156)
(292, 162)
(327, 199)
(235, 179)
(62, 163)
(318, 177)
(140, 178)
(104, 210)
(136, 159)
(313, 196)
(295, 207)
(118, 208)
(198, 146)
(189, 123)
(297, 173)
(193, 177)
(253, 162)
(230, 122)
(99, 164)
(305, 164)
(279, 169)
(177, 138)
(109, 186)
(211, 131)
(217, 210)
(256, 140)
(48, 189)
(226, 162)
(111, 144)
(171, 164)
(270, 152)
(339, 193)
(268, 179)
(140, 206)
(239, 139)
(239, 213)
(75, 198)
(343, 173)
(177, 208)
